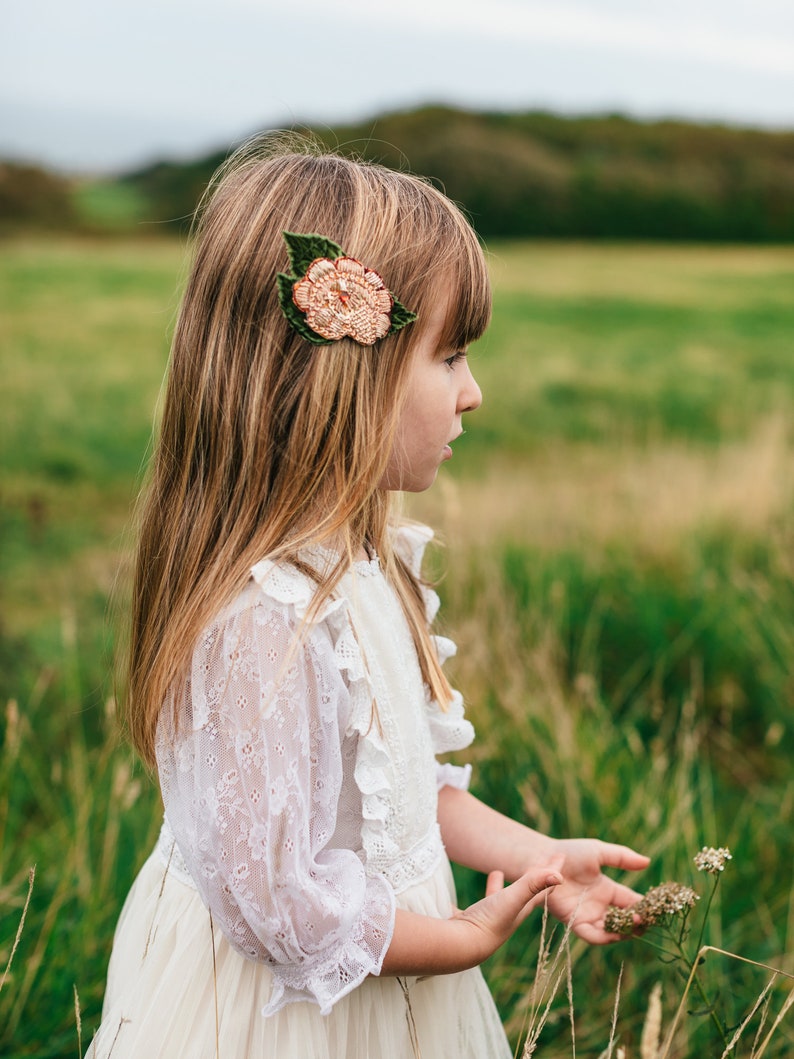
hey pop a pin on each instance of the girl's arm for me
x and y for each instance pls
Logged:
(423, 945)
(478, 837)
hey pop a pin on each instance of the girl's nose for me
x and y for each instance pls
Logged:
(471, 394)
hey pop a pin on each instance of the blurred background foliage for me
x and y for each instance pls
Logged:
(605, 177)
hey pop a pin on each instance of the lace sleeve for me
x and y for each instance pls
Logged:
(251, 788)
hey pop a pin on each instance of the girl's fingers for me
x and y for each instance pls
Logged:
(535, 882)
(494, 883)
(541, 879)
(504, 908)
(536, 879)
(623, 857)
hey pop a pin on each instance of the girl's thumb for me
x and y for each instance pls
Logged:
(494, 883)
(537, 879)
(540, 879)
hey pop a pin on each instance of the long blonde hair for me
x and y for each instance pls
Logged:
(267, 442)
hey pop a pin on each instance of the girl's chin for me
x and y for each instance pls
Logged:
(416, 480)
(414, 484)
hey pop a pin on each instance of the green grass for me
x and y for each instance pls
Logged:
(629, 344)
(620, 532)
(109, 205)
(84, 346)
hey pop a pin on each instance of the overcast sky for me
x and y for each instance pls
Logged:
(88, 85)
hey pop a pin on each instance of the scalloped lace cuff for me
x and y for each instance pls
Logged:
(347, 966)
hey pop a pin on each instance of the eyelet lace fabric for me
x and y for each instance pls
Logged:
(301, 786)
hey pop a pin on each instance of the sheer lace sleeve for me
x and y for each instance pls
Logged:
(251, 787)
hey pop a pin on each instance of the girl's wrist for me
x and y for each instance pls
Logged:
(529, 848)
(482, 838)
(543, 847)
(424, 945)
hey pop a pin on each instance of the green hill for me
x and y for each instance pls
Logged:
(518, 175)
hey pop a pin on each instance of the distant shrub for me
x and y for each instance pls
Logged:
(33, 197)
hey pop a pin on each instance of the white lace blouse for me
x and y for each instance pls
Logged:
(297, 811)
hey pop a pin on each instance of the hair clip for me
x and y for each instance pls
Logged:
(331, 296)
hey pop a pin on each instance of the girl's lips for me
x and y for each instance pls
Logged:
(446, 452)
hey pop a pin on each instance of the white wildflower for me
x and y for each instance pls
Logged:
(712, 860)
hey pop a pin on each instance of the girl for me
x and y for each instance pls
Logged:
(283, 679)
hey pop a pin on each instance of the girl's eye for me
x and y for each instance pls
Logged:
(453, 360)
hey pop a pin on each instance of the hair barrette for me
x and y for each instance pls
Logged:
(330, 296)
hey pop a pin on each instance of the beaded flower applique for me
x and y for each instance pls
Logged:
(330, 296)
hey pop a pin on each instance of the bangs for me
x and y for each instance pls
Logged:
(470, 307)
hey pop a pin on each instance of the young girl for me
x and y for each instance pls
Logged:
(283, 679)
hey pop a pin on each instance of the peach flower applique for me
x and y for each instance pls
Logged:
(329, 296)
(343, 299)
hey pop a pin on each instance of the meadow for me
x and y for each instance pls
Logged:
(617, 569)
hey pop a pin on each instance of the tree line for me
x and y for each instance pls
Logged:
(538, 174)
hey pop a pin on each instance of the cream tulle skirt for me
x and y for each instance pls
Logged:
(163, 993)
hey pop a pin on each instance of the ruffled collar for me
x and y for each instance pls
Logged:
(322, 559)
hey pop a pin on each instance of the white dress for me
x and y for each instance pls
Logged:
(300, 800)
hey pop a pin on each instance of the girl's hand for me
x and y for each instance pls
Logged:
(586, 893)
(483, 839)
(504, 908)
(422, 945)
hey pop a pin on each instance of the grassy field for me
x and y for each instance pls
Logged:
(619, 575)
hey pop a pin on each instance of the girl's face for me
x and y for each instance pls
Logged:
(440, 388)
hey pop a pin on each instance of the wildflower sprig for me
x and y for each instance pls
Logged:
(712, 860)
(667, 908)
(661, 904)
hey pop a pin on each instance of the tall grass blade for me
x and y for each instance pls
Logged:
(760, 999)
(787, 1003)
(79, 1024)
(31, 879)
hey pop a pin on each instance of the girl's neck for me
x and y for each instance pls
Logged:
(337, 544)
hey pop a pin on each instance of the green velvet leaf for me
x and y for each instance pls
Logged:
(293, 314)
(303, 249)
(400, 316)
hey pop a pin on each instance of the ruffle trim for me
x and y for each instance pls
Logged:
(410, 543)
(449, 730)
(458, 776)
(292, 588)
